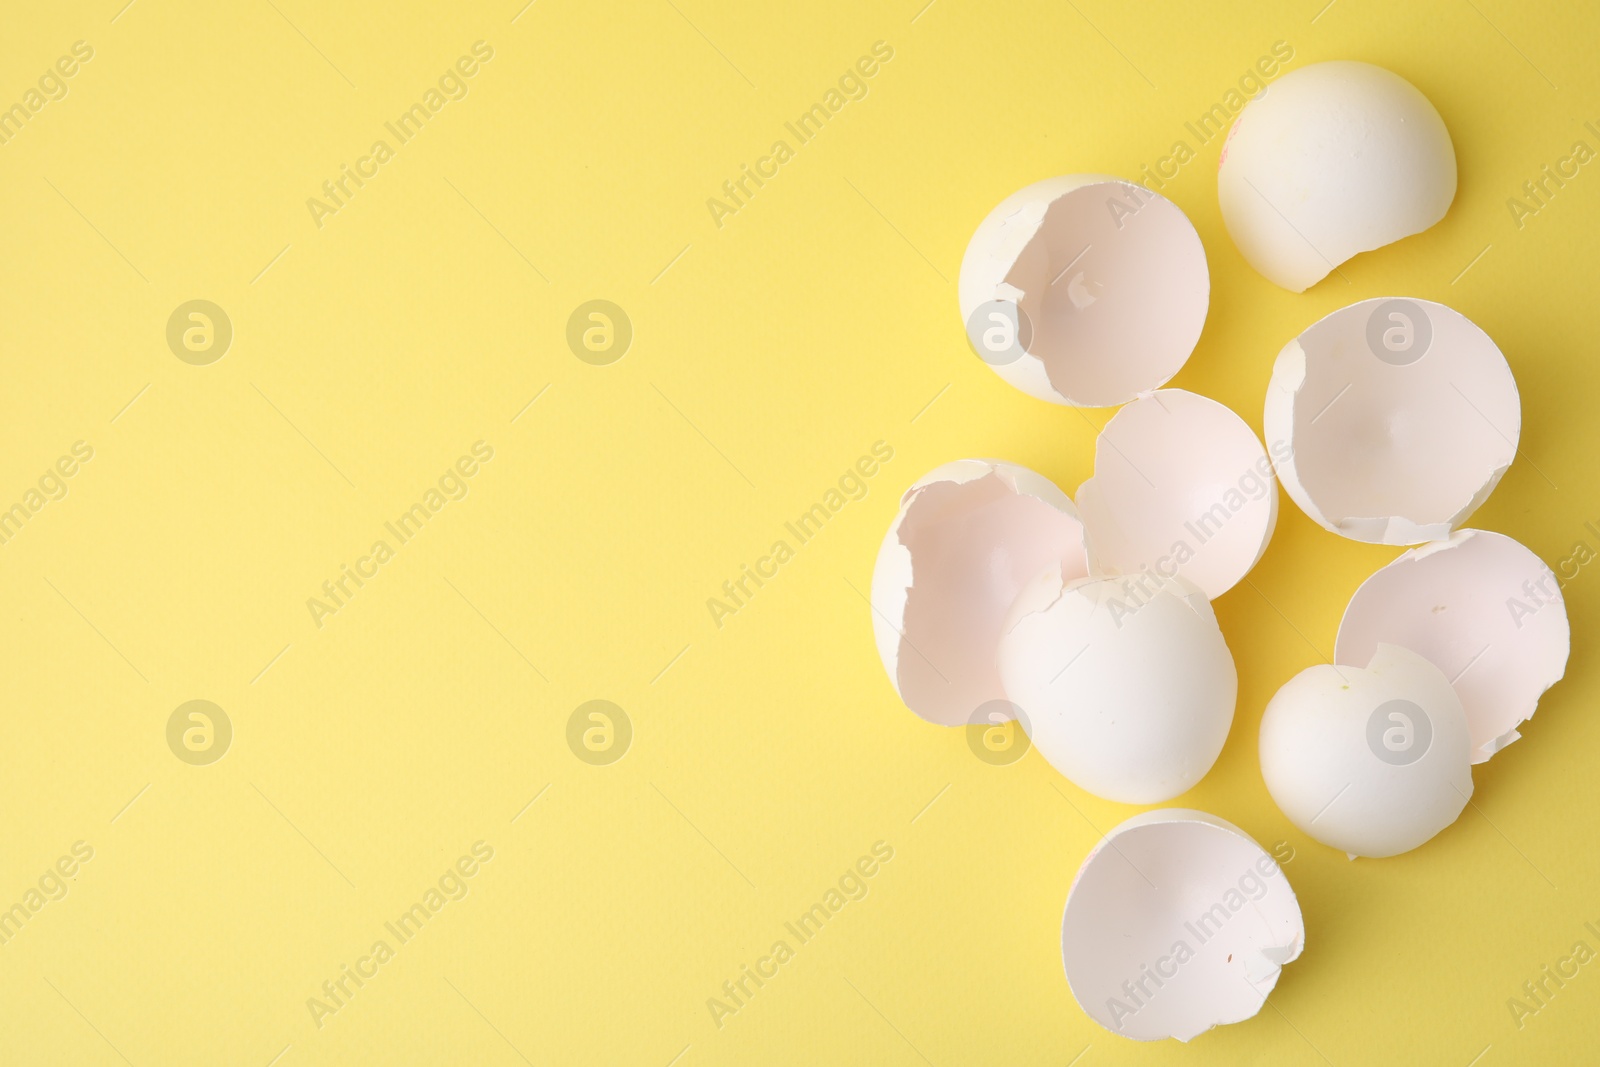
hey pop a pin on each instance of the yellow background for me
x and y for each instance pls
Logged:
(768, 354)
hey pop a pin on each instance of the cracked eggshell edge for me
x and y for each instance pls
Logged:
(1161, 816)
(1278, 424)
(892, 575)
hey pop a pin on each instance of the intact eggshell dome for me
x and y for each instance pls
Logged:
(1329, 161)
(1485, 611)
(1391, 420)
(1374, 760)
(968, 537)
(1125, 684)
(1111, 282)
(1181, 486)
(1177, 922)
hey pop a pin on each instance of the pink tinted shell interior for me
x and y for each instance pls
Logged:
(1483, 609)
(972, 546)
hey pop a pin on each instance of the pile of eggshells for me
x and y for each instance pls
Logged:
(1088, 619)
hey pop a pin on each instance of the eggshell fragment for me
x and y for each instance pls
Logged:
(1181, 486)
(1085, 290)
(1332, 160)
(1485, 611)
(967, 538)
(1177, 922)
(1126, 684)
(1373, 760)
(1391, 420)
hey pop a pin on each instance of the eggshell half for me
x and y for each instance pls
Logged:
(1373, 760)
(1181, 486)
(1391, 420)
(1177, 922)
(1329, 161)
(1126, 684)
(968, 537)
(1111, 282)
(1485, 611)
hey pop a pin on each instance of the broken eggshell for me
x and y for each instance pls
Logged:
(1111, 282)
(1483, 609)
(1126, 685)
(1330, 161)
(1177, 922)
(1391, 420)
(968, 537)
(1371, 760)
(1181, 486)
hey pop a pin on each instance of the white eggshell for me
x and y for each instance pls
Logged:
(1485, 611)
(1181, 486)
(1177, 922)
(1374, 760)
(1126, 684)
(1329, 161)
(1391, 420)
(967, 538)
(1110, 277)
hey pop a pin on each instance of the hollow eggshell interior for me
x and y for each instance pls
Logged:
(1385, 446)
(1111, 277)
(1483, 609)
(1181, 486)
(1332, 160)
(967, 538)
(1177, 922)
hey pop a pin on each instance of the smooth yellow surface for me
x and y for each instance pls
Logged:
(769, 353)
